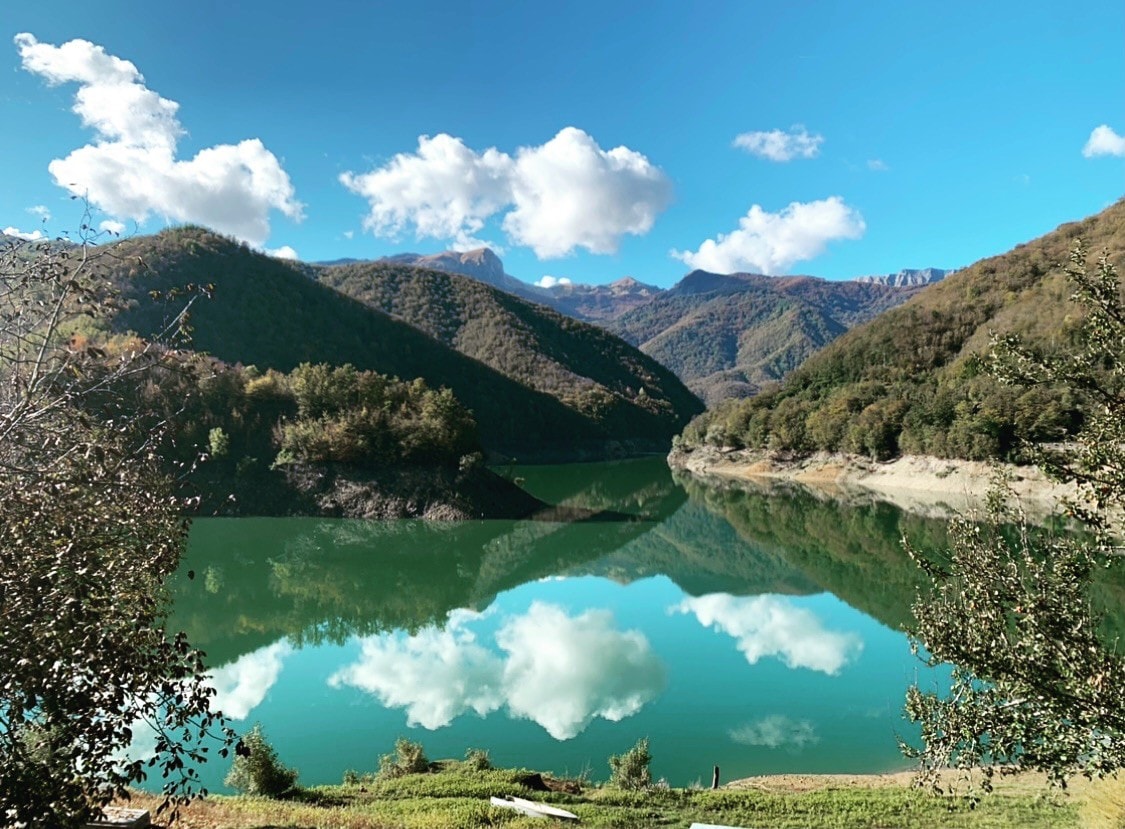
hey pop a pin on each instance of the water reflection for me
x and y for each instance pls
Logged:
(772, 626)
(556, 669)
(777, 731)
(317, 581)
(240, 686)
(436, 674)
(550, 642)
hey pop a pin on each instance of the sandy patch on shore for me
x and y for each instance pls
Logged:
(913, 483)
(1025, 782)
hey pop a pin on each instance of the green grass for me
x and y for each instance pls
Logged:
(455, 798)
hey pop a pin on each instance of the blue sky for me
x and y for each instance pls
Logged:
(584, 140)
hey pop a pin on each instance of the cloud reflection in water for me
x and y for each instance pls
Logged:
(240, 686)
(774, 626)
(776, 731)
(560, 671)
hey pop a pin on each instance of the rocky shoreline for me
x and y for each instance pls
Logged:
(432, 493)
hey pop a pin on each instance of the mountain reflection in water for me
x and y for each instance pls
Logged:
(753, 629)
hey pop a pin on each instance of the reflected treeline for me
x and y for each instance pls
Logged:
(641, 487)
(312, 580)
(699, 549)
(852, 546)
(852, 549)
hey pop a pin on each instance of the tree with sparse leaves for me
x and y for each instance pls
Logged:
(90, 527)
(1036, 685)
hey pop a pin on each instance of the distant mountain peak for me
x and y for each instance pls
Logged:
(482, 256)
(907, 277)
(481, 263)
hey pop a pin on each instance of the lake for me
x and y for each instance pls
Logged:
(755, 630)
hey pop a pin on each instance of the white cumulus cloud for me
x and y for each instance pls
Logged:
(771, 243)
(1104, 141)
(776, 731)
(778, 145)
(112, 226)
(765, 626)
(552, 281)
(283, 252)
(444, 190)
(557, 670)
(557, 197)
(570, 193)
(27, 236)
(41, 211)
(242, 685)
(132, 170)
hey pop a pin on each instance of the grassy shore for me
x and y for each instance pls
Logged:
(456, 797)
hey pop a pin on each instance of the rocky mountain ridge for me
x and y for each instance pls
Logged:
(907, 278)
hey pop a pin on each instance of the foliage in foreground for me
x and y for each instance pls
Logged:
(1036, 685)
(90, 528)
(409, 758)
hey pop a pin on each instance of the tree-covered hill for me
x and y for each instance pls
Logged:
(911, 380)
(587, 369)
(269, 313)
(727, 336)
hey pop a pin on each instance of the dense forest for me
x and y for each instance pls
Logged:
(580, 364)
(586, 394)
(912, 381)
(317, 414)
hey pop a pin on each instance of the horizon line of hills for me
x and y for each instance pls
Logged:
(724, 335)
(795, 363)
(591, 302)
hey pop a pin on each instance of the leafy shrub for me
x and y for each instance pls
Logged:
(630, 770)
(409, 758)
(259, 771)
(477, 759)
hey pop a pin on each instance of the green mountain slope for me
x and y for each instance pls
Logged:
(727, 336)
(270, 313)
(910, 380)
(588, 370)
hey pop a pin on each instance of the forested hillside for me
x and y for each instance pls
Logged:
(911, 380)
(581, 365)
(728, 336)
(270, 313)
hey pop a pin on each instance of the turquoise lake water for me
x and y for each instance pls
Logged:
(757, 631)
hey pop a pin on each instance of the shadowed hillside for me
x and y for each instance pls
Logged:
(270, 313)
(586, 368)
